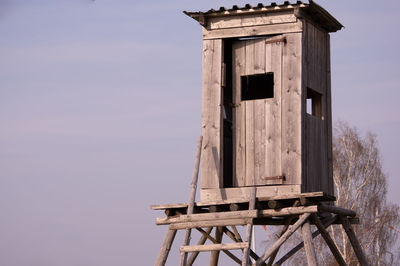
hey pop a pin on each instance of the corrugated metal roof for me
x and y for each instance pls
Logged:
(313, 10)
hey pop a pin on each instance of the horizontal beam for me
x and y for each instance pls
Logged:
(200, 248)
(237, 215)
(317, 196)
(226, 222)
(207, 217)
(253, 31)
(337, 210)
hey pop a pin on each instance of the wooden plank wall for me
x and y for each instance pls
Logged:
(291, 109)
(317, 163)
(211, 157)
(256, 30)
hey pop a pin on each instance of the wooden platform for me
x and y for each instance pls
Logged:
(293, 211)
(311, 196)
(268, 211)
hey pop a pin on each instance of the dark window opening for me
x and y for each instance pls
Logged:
(259, 86)
(314, 103)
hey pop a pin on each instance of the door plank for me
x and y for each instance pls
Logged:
(239, 116)
(249, 122)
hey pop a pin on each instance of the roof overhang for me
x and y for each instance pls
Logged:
(311, 11)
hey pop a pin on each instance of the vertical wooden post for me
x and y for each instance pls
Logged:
(354, 241)
(335, 251)
(215, 254)
(308, 245)
(289, 221)
(252, 205)
(192, 197)
(165, 248)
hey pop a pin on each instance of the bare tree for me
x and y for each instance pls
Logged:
(361, 185)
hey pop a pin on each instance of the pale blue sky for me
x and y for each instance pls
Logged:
(100, 112)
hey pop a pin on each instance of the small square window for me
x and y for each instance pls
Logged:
(259, 86)
(314, 103)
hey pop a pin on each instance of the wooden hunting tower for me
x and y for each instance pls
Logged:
(266, 110)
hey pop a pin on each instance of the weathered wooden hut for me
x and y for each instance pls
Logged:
(266, 100)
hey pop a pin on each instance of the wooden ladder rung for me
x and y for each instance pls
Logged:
(240, 245)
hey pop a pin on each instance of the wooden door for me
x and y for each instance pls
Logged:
(257, 122)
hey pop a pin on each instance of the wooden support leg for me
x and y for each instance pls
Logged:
(354, 241)
(246, 251)
(215, 254)
(309, 247)
(192, 197)
(289, 221)
(283, 238)
(335, 251)
(202, 240)
(237, 235)
(293, 251)
(165, 248)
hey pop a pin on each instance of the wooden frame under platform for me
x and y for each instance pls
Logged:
(294, 211)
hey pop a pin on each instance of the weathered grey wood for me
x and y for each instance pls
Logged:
(258, 120)
(195, 176)
(287, 211)
(165, 248)
(282, 239)
(293, 251)
(317, 161)
(240, 193)
(309, 247)
(192, 197)
(304, 85)
(253, 31)
(211, 162)
(239, 115)
(207, 217)
(329, 118)
(316, 196)
(249, 117)
(337, 210)
(246, 252)
(237, 215)
(213, 240)
(251, 20)
(316, 168)
(201, 241)
(212, 247)
(291, 109)
(273, 117)
(215, 254)
(354, 242)
(225, 222)
(259, 114)
(335, 251)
